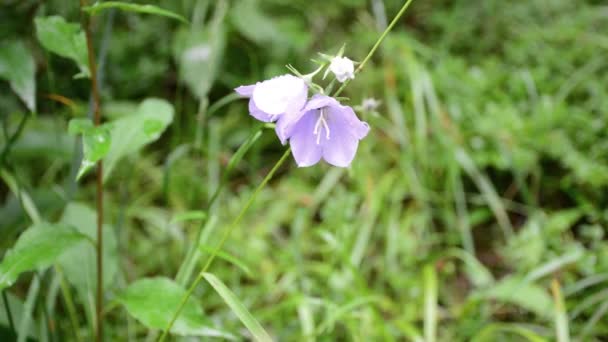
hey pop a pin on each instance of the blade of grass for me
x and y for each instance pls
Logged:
(127, 7)
(9, 313)
(69, 304)
(489, 332)
(339, 312)
(561, 318)
(553, 265)
(595, 318)
(430, 303)
(307, 321)
(229, 258)
(588, 302)
(487, 190)
(26, 201)
(238, 308)
(28, 309)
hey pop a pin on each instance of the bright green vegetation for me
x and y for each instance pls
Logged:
(474, 210)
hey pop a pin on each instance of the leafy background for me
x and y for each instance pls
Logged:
(474, 210)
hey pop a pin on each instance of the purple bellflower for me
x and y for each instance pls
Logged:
(276, 99)
(323, 129)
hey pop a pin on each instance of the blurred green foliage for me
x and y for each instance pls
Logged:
(483, 180)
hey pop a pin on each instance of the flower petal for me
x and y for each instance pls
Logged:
(349, 120)
(245, 91)
(303, 142)
(343, 68)
(282, 129)
(319, 101)
(258, 114)
(345, 131)
(280, 94)
(286, 124)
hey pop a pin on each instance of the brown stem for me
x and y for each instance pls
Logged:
(99, 190)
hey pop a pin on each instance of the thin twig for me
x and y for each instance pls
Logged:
(99, 190)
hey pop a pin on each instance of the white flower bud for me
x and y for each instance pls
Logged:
(343, 68)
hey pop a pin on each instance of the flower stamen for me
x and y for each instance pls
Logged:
(321, 123)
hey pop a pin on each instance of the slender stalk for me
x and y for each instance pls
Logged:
(182, 273)
(265, 181)
(85, 21)
(377, 45)
(223, 239)
(9, 313)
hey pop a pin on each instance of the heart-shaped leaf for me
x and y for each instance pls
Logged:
(153, 301)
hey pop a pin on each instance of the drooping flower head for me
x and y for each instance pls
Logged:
(273, 99)
(324, 129)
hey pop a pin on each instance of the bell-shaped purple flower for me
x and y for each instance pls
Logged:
(323, 129)
(273, 99)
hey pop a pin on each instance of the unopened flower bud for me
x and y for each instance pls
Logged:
(343, 68)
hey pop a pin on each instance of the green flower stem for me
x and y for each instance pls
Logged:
(268, 177)
(185, 268)
(223, 239)
(377, 45)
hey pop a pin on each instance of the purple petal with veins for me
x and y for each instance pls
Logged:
(328, 130)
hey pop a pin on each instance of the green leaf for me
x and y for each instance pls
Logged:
(153, 301)
(518, 291)
(18, 309)
(95, 142)
(227, 257)
(492, 332)
(198, 53)
(18, 68)
(254, 24)
(238, 308)
(38, 247)
(79, 263)
(148, 9)
(477, 273)
(129, 134)
(559, 221)
(194, 215)
(65, 39)
(80, 126)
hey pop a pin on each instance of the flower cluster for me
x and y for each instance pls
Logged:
(316, 128)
